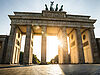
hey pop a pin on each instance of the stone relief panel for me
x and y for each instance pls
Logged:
(54, 14)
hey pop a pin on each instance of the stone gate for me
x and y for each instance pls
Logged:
(78, 28)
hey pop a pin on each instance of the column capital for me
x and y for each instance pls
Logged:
(44, 30)
(63, 27)
(90, 28)
(13, 25)
(43, 27)
(77, 28)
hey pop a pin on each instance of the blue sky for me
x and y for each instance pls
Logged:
(81, 7)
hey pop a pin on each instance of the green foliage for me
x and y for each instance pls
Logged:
(48, 62)
(35, 60)
(21, 57)
(55, 60)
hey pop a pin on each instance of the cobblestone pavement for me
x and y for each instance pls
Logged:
(72, 69)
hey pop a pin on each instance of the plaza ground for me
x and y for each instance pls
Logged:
(54, 69)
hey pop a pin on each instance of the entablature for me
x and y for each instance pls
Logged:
(51, 23)
(53, 18)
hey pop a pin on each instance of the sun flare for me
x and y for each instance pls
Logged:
(52, 46)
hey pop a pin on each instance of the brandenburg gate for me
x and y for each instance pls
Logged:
(79, 29)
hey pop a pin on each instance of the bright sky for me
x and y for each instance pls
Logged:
(78, 7)
(52, 46)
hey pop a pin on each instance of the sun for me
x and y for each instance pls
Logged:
(59, 42)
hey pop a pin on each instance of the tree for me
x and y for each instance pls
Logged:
(55, 60)
(21, 57)
(35, 60)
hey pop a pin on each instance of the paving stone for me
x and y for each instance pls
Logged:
(78, 69)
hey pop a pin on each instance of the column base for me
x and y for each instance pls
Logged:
(27, 63)
(43, 63)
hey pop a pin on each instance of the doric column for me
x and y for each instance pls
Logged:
(11, 44)
(43, 45)
(93, 45)
(18, 56)
(79, 46)
(60, 56)
(2, 45)
(65, 46)
(28, 50)
(18, 46)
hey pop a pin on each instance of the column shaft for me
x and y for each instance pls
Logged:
(79, 46)
(11, 44)
(60, 58)
(28, 50)
(65, 46)
(43, 45)
(2, 51)
(18, 57)
(93, 44)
